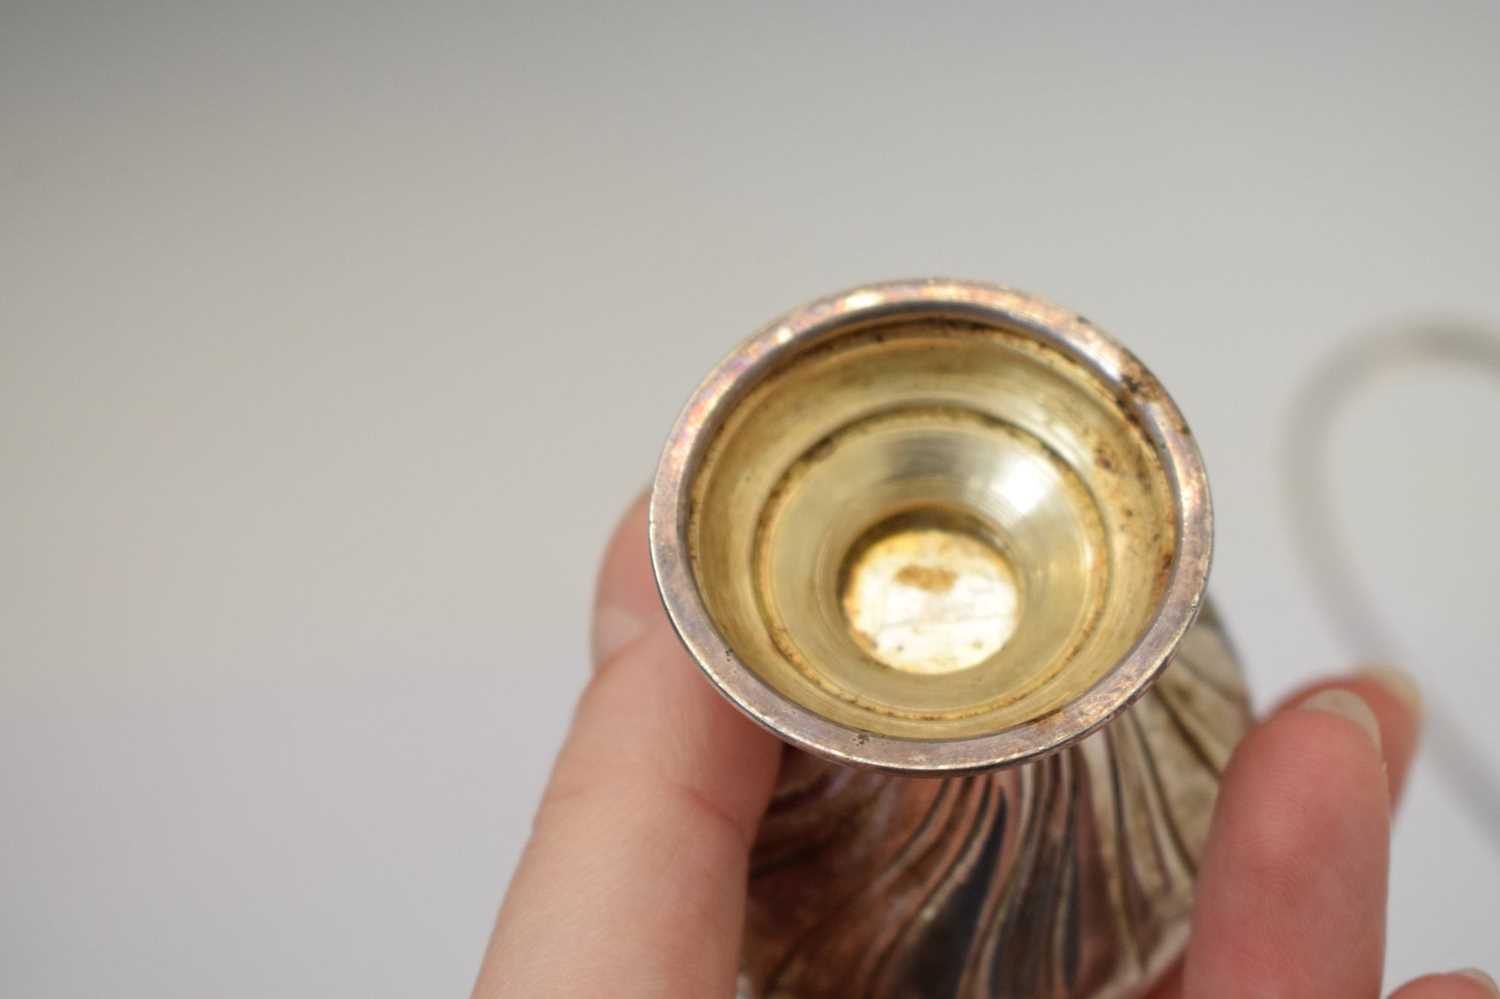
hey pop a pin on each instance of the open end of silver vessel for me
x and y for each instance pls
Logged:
(931, 526)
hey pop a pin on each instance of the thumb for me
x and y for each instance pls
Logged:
(633, 883)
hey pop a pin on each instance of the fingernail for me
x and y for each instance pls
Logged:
(614, 628)
(1481, 978)
(1345, 704)
(1399, 683)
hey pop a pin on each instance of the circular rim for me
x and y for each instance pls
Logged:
(1074, 336)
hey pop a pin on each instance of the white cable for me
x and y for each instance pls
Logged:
(1350, 606)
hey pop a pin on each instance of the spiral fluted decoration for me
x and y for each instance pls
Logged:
(1068, 877)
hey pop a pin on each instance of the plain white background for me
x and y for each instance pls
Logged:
(333, 338)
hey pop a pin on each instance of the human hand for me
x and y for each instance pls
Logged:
(633, 883)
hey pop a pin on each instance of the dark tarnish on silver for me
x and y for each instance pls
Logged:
(1070, 876)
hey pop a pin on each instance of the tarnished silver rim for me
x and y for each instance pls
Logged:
(1076, 337)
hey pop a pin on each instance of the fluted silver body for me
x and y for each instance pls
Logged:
(1065, 878)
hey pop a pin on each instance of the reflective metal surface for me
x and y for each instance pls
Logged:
(1065, 878)
(939, 527)
(937, 407)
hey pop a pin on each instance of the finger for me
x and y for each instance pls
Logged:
(1470, 984)
(1397, 703)
(1292, 887)
(626, 604)
(633, 883)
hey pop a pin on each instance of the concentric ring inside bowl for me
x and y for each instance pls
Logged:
(930, 528)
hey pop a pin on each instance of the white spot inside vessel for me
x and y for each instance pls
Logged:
(930, 600)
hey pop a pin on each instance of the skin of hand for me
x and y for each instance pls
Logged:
(633, 882)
